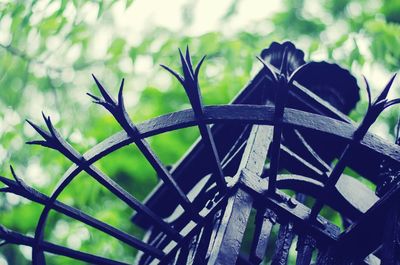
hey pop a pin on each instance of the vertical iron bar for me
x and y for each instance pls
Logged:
(281, 93)
(207, 239)
(305, 248)
(193, 247)
(190, 83)
(230, 234)
(182, 256)
(391, 236)
(265, 220)
(325, 257)
(283, 243)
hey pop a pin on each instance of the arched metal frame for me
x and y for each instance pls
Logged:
(246, 187)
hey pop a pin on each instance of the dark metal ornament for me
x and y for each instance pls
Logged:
(280, 133)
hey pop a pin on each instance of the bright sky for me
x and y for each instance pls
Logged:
(145, 14)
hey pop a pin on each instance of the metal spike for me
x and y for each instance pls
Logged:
(391, 103)
(38, 142)
(197, 70)
(385, 91)
(185, 68)
(189, 60)
(39, 130)
(121, 103)
(177, 76)
(367, 87)
(17, 179)
(103, 91)
(49, 124)
(93, 97)
(5, 181)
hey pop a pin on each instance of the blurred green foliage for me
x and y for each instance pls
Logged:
(48, 48)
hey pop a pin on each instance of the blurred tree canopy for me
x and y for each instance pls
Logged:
(49, 48)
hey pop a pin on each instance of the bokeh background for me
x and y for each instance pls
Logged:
(49, 48)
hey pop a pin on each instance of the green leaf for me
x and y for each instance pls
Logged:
(117, 47)
(128, 3)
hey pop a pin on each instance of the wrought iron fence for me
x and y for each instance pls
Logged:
(286, 130)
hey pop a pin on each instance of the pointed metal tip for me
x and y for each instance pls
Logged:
(368, 90)
(175, 74)
(121, 87)
(386, 90)
(199, 64)
(120, 94)
(181, 56)
(97, 82)
(14, 174)
(39, 130)
(187, 52)
(12, 169)
(30, 123)
(92, 96)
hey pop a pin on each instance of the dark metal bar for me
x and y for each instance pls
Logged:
(327, 233)
(391, 244)
(23, 190)
(207, 200)
(321, 164)
(369, 230)
(265, 220)
(207, 239)
(276, 145)
(332, 180)
(373, 111)
(252, 114)
(182, 256)
(53, 139)
(17, 238)
(282, 83)
(117, 109)
(283, 243)
(230, 233)
(325, 257)
(227, 245)
(305, 247)
(171, 254)
(193, 248)
(191, 85)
